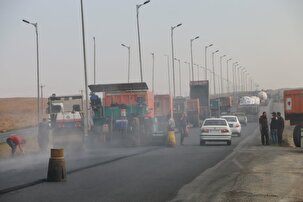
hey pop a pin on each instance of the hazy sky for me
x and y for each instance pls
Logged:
(264, 36)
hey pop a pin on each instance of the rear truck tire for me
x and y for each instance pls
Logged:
(228, 142)
(202, 142)
(297, 136)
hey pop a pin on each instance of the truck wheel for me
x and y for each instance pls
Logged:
(202, 143)
(297, 136)
(229, 142)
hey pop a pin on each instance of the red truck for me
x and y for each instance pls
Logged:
(293, 109)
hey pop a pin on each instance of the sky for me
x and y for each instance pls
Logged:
(263, 36)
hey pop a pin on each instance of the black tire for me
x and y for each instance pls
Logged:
(228, 142)
(202, 142)
(297, 136)
(239, 135)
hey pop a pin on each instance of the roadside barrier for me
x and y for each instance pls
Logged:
(56, 166)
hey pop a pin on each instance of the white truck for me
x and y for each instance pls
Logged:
(263, 98)
(66, 119)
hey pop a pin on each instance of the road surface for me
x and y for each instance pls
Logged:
(115, 174)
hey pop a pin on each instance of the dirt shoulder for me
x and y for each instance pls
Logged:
(253, 172)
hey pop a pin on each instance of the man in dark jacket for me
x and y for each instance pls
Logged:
(263, 124)
(182, 127)
(274, 128)
(280, 128)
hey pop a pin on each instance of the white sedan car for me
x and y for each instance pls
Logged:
(215, 129)
(234, 124)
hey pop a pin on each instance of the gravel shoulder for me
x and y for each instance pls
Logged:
(251, 173)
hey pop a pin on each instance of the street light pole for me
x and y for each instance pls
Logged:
(179, 76)
(227, 74)
(42, 86)
(221, 72)
(191, 56)
(139, 42)
(233, 69)
(94, 60)
(38, 80)
(172, 53)
(246, 81)
(243, 79)
(214, 79)
(153, 73)
(168, 74)
(239, 78)
(188, 71)
(85, 74)
(128, 62)
(205, 59)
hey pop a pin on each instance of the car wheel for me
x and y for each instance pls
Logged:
(202, 142)
(228, 142)
(239, 135)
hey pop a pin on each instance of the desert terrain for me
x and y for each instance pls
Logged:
(16, 113)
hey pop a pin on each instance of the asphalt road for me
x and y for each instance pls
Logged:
(117, 174)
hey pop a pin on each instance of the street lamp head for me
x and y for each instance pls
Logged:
(215, 52)
(146, 2)
(123, 45)
(210, 45)
(223, 56)
(26, 21)
(178, 25)
(194, 38)
(229, 59)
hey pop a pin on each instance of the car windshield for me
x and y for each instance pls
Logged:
(215, 123)
(230, 119)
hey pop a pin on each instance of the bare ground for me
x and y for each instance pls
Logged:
(16, 113)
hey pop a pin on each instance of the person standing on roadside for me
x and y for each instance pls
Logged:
(274, 128)
(280, 127)
(43, 138)
(15, 141)
(182, 127)
(263, 124)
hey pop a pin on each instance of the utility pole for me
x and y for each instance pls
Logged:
(153, 73)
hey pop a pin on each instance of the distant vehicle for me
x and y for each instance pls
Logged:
(193, 111)
(163, 108)
(263, 98)
(215, 129)
(241, 117)
(293, 110)
(234, 124)
(66, 119)
(179, 106)
(221, 105)
(200, 90)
